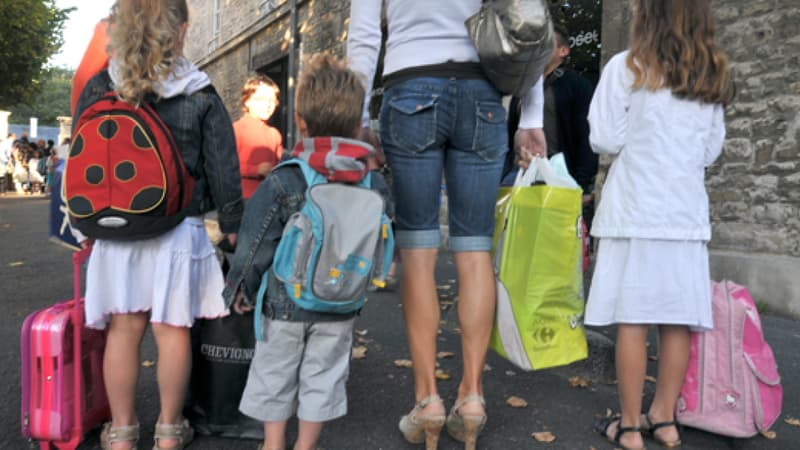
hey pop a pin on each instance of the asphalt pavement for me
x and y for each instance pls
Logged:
(35, 273)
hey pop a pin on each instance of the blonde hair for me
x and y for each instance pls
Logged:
(252, 84)
(330, 97)
(145, 38)
(672, 46)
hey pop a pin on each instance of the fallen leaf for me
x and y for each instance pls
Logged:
(510, 373)
(543, 436)
(16, 264)
(612, 382)
(457, 330)
(653, 358)
(792, 421)
(650, 378)
(441, 375)
(362, 340)
(516, 402)
(361, 332)
(359, 352)
(579, 382)
(403, 363)
(769, 434)
(148, 363)
(445, 355)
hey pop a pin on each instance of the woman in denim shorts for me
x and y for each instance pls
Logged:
(441, 117)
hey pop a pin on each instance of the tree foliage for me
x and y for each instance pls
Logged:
(583, 21)
(52, 101)
(30, 32)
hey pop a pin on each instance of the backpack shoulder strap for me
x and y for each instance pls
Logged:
(311, 176)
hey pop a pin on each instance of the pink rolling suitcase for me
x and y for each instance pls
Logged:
(62, 399)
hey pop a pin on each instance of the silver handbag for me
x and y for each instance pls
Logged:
(514, 39)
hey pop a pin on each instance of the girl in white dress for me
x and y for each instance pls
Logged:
(169, 280)
(659, 107)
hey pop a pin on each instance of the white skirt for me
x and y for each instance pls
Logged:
(175, 276)
(649, 281)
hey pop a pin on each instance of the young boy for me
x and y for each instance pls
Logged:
(302, 364)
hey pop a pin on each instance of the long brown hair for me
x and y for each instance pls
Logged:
(672, 46)
(145, 39)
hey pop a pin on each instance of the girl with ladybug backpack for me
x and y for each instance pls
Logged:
(169, 278)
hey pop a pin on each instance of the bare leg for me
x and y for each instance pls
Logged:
(672, 363)
(121, 368)
(274, 435)
(631, 358)
(174, 367)
(476, 303)
(421, 313)
(308, 435)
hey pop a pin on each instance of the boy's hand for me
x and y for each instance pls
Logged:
(239, 306)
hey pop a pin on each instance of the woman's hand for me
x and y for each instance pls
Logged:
(529, 143)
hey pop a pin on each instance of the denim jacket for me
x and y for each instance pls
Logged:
(279, 196)
(203, 132)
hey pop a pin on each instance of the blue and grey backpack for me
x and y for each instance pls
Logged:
(334, 248)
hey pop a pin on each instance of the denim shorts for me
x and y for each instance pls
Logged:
(436, 126)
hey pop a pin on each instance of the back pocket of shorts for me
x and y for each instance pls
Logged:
(412, 121)
(491, 135)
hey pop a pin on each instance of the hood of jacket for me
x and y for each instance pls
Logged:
(185, 78)
(338, 159)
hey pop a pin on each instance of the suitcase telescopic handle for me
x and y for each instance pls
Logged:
(78, 258)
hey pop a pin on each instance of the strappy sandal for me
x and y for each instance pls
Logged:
(418, 429)
(602, 426)
(180, 432)
(651, 428)
(110, 435)
(466, 427)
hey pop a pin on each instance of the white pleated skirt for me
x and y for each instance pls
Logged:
(649, 281)
(175, 276)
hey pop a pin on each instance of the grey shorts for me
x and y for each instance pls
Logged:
(302, 368)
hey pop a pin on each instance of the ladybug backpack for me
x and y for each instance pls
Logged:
(125, 178)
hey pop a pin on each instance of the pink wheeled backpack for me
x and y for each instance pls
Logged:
(732, 386)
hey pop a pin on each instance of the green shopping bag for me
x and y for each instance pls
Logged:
(538, 259)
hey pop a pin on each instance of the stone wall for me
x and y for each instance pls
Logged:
(255, 33)
(754, 187)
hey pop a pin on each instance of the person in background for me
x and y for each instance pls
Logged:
(95, 59)
(660, 108)
(259, 145)
(441, 117)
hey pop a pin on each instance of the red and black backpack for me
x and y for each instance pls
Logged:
(125, 178)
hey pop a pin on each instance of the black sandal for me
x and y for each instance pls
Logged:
(651, 430)
(602, 426)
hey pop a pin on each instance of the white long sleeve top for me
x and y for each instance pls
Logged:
(655, 187)
(421, 32)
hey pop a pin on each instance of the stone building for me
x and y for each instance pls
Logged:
(234, 39)
(754, 187)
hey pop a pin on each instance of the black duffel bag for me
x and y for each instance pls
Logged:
(222, 350)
